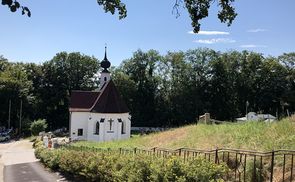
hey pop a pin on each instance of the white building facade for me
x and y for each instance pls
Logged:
(99, 115)
(99, 126)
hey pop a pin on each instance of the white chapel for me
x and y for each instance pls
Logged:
(99, 115)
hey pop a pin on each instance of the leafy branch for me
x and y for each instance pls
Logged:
(197, 9)
(15, 5)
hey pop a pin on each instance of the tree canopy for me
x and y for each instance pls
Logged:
(160, 90)
(197, 9)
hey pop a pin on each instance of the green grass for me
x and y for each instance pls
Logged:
(250, 135)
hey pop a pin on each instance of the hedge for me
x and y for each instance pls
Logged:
(99, 166)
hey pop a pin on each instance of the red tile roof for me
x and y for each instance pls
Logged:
(108, 100)
(82, 100)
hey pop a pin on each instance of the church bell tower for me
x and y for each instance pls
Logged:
(105, 75)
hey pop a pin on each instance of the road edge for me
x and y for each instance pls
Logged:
(1, 169)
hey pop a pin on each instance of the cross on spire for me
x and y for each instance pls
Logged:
(105, 64)
(105, 52)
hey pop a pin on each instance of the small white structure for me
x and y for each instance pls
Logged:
(252, 116)
(99, 115)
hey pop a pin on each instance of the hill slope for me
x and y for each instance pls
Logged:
(251, 135)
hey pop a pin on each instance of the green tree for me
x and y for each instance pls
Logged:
(125, 85)
(15, 87)
(199, 63)
(141, 70)
(3, 63)
(288, 98)
(38, 126)
(64, 73)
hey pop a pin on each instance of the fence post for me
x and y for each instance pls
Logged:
(216, 156)
(179, 152)
(135, 150)
(272, 165)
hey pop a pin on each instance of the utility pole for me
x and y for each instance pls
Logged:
(9, 110)
(20, 116)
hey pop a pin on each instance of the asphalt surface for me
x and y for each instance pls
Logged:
(28, 172)
(20, 165)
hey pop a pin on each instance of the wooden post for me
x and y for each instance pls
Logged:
(272, 165)
(216, 156)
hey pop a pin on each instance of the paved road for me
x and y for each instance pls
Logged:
(20, 165)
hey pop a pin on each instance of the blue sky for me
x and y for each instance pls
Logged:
(265, 26)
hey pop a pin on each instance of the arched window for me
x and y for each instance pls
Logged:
(123, 128)
(105, 79)
(97, 128)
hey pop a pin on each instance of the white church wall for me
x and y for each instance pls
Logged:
(105, 134)
(91, 129)
(79, 120)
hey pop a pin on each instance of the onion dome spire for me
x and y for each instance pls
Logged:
(105, 64)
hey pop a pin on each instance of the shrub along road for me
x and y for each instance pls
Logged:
(20, 164)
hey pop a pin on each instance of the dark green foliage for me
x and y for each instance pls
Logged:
(113, 5)
(38, 126)
(110, 166)
(169, 90)
(64, 73)
(15, 86)
(175, 89)
(44, 89)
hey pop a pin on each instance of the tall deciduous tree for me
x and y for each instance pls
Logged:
(64, 73)
(15, 87)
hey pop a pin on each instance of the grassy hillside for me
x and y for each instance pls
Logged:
(251, 135)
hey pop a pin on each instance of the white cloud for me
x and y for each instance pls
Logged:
(257, 30)
(252, 46)
(209, 33)
(214, 41)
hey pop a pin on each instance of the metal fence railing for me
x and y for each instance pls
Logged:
(245, 165)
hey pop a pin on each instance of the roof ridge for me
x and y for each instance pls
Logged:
(101, 92)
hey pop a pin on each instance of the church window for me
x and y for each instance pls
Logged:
(80, 132)
(123, 129)
(97, 125)
(123, 126)
(105, 79)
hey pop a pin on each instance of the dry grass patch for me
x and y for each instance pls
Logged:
(250, 135)
(168, 138)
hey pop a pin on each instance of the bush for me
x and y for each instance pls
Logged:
(37, 126)
(100, 166)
